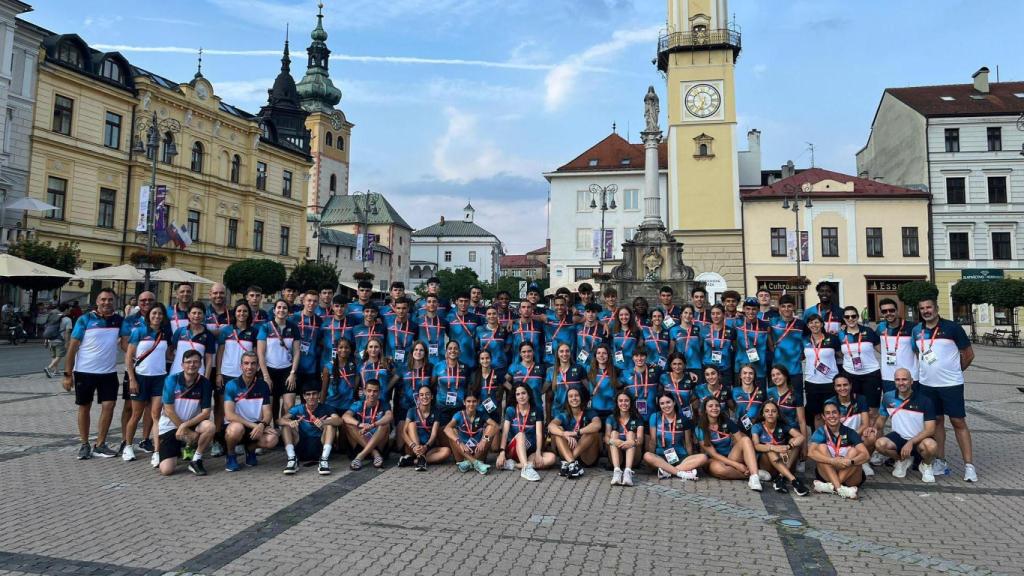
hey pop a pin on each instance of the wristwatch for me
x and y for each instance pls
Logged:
(67, 374)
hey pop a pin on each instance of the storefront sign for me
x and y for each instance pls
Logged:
(981, 274)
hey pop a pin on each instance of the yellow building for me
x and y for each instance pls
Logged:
(865, 237)
(238, 181)
(698, 57)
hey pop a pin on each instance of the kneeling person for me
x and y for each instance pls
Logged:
(312, 426)
(839, 452)
(368, 423)
(247, 411)
(913, 427)
(185, 422)
(470, 431)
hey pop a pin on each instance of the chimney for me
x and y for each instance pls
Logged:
(442, 220)
(754, 139)
(981, 80)
(788, 169)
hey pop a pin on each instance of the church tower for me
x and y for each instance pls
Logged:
(698, 57)
(329, 129)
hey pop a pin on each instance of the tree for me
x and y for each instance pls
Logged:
(267, 274)
(315, 275)
(453, 282)
(914, 292)
(63, 257)
(1009, 294)
(971, 293)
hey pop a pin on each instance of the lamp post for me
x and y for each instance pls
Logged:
(152, 128)
(607, 195)
(803, 194)
(369, 208)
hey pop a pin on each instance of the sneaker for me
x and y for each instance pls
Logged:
(187, 452)
(421, 464)
(291, 467)
(47, 372)
(801, 466)
(754, 483)
(926, 473)
(779, 485)
(823, 487)
(847, 492)
(617, 477)
(154, 460)
(564, 470)
(128, 454)
(764, 476)
(877, 459)
(575, 470)
(690, 475)
(465, 466)
(663, 475)
(216, 450)
(120, 448)
(509, 465)
(239, 450)
(481, 467)
(250, 459)
(232, 463)
(899, 469)
(103, 451)
(196, 467)
(406, 461)
(867, 469)
(627, 477)
(145, 446)
(529, 474)
(324, 468)
(84, 452)
(970, 474)
(939, 467)
(260, 451)
(799, 487)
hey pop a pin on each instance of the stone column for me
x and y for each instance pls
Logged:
(652, 188)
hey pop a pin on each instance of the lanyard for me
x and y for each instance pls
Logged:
(522, 420)
(529, 372)
(561, 323)
(900, 407)
(156, 342)
(245, 394)
(671, 430)
(931, 343)
(785, 332)
(817, 349)
(860, 337)
(277, 333)
(404, 331)
(592, 335)
(784, 397)
(657, 341)
(191, 336)
(600, 380)
(564, 375)
(834, 445)
(335, 326)
(341, 371)
(310, 417)
(624, 336)
(850, 411)
(453, 375)
(885, 336)
(468, 421)
(187, 390)
(437, 325)
(302, 325)
(771, 434)
(374, 368)
(714, 341)
(520, 331)
(746, 333)
(422, 419)
(416, 377)
(461, 321)
(579, 420)
(828, 319)
(718, 436)
(751, 398)
(686, 342)
(624, 423)
(488, 381)
(646, 378)
(373, 413)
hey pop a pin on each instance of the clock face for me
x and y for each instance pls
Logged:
(703, 100)
(201, 91)
(336, 121)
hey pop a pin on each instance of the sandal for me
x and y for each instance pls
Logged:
(356, 464)
(378, 462)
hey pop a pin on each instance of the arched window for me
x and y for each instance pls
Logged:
(236, 168)
(167, 149)
(197, 157)
(330, 139)
(112, 71)
(341, 142)
(703, 149)
(333, 186)
(68, 53)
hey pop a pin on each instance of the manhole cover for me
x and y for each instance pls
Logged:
(791, 523)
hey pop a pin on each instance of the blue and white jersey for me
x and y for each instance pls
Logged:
(748, 405)
(719, 347)
(184, 340)
(354, 313)
(188, 401)
(850, 413)
(533, 377)
(532, 332)
(587, 338)
(452, 383)
(151, 347)
(177, 318)
(424, 424)
(658, 344)
(787, 407)
(365, 414)
(279, 343)
(214, 320)
(838, 444)
(897, 349)
(342, 386)
(557, 332)
(235, 342)
(721, 437)
(622, 427)
(332, 331)
(689, 343)
(432, 332)
(907, 415)
(462, 329)
(130, 323)
(831, 316)
(820, 359)
(859, 351)
(938, 353)
(379, 371)
(494, 341)
(642, 385)
(788, 345)
(602, 392)
(624, 342)
(400, 338)
(309, 342)
(249, 399)
(682, 390)
(99, 348)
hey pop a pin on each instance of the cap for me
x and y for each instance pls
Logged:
(534, 287)
(751, 302)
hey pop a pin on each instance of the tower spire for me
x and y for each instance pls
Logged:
(199, 68)
(286, 60)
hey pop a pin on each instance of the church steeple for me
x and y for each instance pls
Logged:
(316, 90)
(283, 117)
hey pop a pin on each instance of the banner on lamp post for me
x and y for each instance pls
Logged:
(359, 248)
(143, 224)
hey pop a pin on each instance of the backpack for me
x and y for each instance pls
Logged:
(52, 330)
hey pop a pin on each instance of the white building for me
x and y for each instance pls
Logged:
(458, 244)
(339, 248)
(964, 143)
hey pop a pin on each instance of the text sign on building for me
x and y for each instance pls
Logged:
(981, 274)
(886, 285)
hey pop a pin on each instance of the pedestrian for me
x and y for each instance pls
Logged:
(57, 335)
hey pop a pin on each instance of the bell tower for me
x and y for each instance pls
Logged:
(697, 55)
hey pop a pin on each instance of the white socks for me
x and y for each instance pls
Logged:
(326, 453)
(289, 449)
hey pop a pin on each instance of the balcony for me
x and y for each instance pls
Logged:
(697, 41)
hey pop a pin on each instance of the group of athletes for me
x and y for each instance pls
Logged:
(734, 390)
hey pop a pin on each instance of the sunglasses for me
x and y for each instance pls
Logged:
(851, 316)
(889, 311)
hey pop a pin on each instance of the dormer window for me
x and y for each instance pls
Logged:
(625, 162)
(68, 53)
(947, 98)
(110, 70)
(592, 162)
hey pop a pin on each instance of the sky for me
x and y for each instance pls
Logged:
(457, 100)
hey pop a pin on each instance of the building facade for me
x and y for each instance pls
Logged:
(865, 237)
(339, 249)
(351, 213)
(964, 143)
(523, 266)
(451, 245)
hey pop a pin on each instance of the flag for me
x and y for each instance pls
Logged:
(161, 234)
(143, 224)
(180, 236)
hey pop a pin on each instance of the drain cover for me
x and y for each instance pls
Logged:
(791, 523)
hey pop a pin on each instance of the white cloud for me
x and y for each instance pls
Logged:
(94, 22)
(562, 79)
(348, 14)
(243, 92)
(462, 154)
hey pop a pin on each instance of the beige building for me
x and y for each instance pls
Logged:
(865, 237)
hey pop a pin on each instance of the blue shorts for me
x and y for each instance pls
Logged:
(900, 442)
(948, 400)
(149, 386)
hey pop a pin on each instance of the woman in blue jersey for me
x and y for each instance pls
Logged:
(451, 380)
(145, 363)
(677, 383)
(493, 337)
(624, 334)
(641, 382)
(717, 340)
(688, 343)
(624, 435)
(489, 380)
(712, 387)
(855, 415)
(576, 432)
(416, 373)
(671, 434)
(277, 346)
(657, 340)
(235, 339)
(791, 410)
(603, 379)
(340, 377)
(194, 336)
(821, 351)
(422, 443)
(525, 370)
(778, 445)
(469, 433)
(377, 366)
(562, 375)
(522, 436)
(730, 452)
(748, 398)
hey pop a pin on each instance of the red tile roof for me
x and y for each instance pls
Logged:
(520, 261)
(862, 187)
(927, 100)
(543, 251)
(610, 154)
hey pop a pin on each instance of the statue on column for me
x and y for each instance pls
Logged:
(652, 110)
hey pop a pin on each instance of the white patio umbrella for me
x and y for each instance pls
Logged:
(126, 272)
(14, 267)
(176, 275)
(28, 203)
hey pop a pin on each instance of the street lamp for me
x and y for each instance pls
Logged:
(369, 208)
(153, 128)
(607, 195)
(791, 191)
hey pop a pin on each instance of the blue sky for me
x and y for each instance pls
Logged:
(457, 99)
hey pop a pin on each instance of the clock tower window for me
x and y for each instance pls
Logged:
(329, 139)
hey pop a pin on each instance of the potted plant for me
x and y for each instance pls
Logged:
(361, 276)
(143, 261)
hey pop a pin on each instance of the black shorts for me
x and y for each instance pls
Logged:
(149, 387)
(816, 395)
(278, 380)
(309, 449)
(102, 387)
(869, 385)
(170, 446)
(900, 442)
(947, 400)
(863, 478)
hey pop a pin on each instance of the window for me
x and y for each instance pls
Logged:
(447, 255)
(952, 139)
(830, 242)
(56, 191)
(472, 255)
(583, 201)
(236, 168)
(584, 239)
(112, 71)
(197, 157)
(165, 149)
(232, 233)
(286, 233)
(261, 175)
(1001, 246)
(62, 110)
(333, 185)
(956, 191)
(592, 162)
(193, 225)
(703, 150)
(106, 212)
(581, 274)
(1002, 315)
(958, 246)
(112, 131)
(286, 184)
(329, 139)
(874, 242)
(995, 139)
(69, 54)
(257, 236)
(911, 246)
(779, 242)
(628, 233)
(631, 199)
(997, 189)
(341, 142)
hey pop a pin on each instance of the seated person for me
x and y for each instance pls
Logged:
(913, 427)
(422, 443)
(778, 444)
(730, 452)
(367, 424)
(469, 433)
(522, 436)
(247, 411)
(838, 451)
(671, 434)
(312, 427)
(185, 426)
(576, 432)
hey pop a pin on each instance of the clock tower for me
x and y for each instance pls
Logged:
(698, 55)
(330, 131)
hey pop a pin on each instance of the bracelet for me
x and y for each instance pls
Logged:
(502, 451)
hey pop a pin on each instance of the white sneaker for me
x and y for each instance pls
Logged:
(847, 492)
(154, 460)
(764, 476)
(529, 474)
(128, 454)
(754, 483)
(509, 465)
(687, 475)
(823, 487)
(926, 473)
(899, 469)
(662, 474)
(216, 450)
(627, 477)
(867, 469)
(970, 474)
(939, 467)
(801, 466)
(877, 459)
(617, 477)
(261, 451)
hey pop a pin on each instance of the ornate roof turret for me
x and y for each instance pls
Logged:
(283, 118)
(317, 92)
